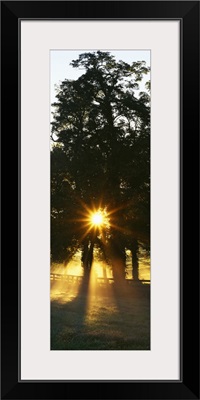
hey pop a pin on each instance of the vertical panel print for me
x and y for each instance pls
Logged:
(100, 200)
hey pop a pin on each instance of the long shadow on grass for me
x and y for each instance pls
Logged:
(68, 316)
(136, 299)
(69, 326)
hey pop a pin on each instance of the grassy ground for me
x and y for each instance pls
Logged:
(104, 318)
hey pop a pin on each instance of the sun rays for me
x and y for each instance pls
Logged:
(98, 221)
(93, 220)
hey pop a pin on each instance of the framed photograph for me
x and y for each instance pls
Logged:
(100, 296)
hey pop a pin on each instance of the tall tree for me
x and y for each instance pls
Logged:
(102, 130)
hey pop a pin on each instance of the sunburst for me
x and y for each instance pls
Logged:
(97, 220)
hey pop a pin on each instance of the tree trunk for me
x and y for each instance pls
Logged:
(84, 258)
(90, 255)
(87, 256)
(135, 264)
(117, 256)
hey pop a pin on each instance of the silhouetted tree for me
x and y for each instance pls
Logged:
(102, 132)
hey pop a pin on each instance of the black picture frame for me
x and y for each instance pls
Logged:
(188, 386)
